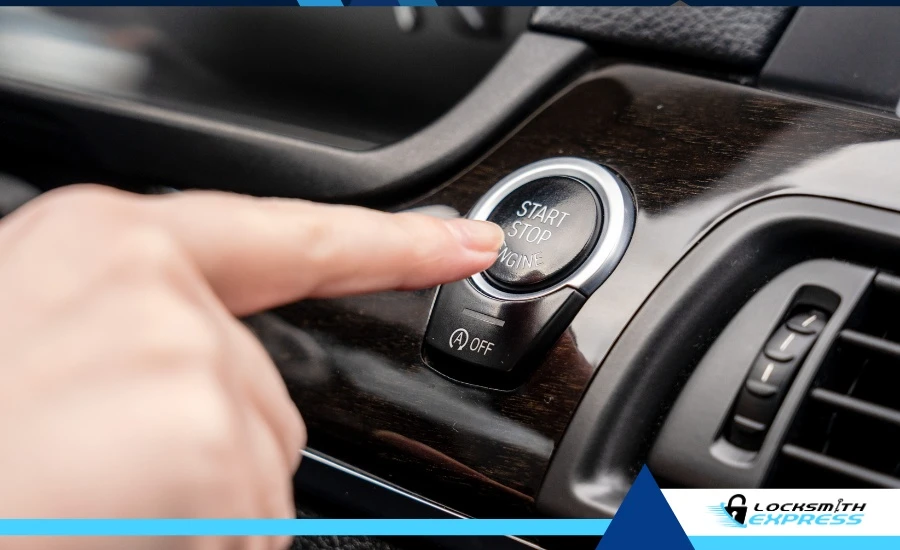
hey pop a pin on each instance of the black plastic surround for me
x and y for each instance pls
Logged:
(470, 332)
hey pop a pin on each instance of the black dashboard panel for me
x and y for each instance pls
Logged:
(692, 150)
(120, 139)
(350, 78)
(841, 53)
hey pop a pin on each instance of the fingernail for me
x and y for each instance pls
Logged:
(476, 235)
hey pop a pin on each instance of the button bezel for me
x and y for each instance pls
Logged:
(617, 222)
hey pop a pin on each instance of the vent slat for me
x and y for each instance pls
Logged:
(866, 341)
(888, 283)
(845, 468)
(858, 406)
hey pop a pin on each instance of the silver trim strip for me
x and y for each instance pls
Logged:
(482, 317)
(325, 461)
(615, 233)
(357, 474)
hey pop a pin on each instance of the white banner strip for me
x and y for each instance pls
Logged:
(811, 512)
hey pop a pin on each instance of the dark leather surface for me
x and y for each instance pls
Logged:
(739, 36)
(847, 53)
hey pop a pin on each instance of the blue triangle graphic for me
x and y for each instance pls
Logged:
(645, 520)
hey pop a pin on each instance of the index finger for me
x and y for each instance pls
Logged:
(259, 253)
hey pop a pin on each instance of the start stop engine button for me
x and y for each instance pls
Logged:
(551, 225)
(567, 222)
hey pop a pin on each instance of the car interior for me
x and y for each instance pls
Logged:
(701, 270)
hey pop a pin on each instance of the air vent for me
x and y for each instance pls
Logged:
(846, 430)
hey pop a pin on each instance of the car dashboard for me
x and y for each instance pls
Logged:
(686, 199)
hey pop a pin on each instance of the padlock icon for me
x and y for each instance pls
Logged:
(738, 513)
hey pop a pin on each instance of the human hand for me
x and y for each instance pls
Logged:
(129, 389)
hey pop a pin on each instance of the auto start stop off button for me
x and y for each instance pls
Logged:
(551, 224)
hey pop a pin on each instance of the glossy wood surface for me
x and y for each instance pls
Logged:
(691, 149)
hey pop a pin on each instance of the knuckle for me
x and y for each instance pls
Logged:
(206, 472)
(172, 326)
(203, 339)
(296, 429)
(298, 442)
(219, 482)
(427, 239)
(207, 424)
(124, 241)
(144, 249)
(213, 419)
(79, 203)
(82, 194)
(319, 236)
(423, 232)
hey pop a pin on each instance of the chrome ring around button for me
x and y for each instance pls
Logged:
(615, 233)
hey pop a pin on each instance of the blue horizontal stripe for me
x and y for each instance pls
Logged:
(795, 543)
(348, 527)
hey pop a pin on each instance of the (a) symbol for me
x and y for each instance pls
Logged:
(739, 513)
(459, 338)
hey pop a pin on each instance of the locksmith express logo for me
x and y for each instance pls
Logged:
(740, 513)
